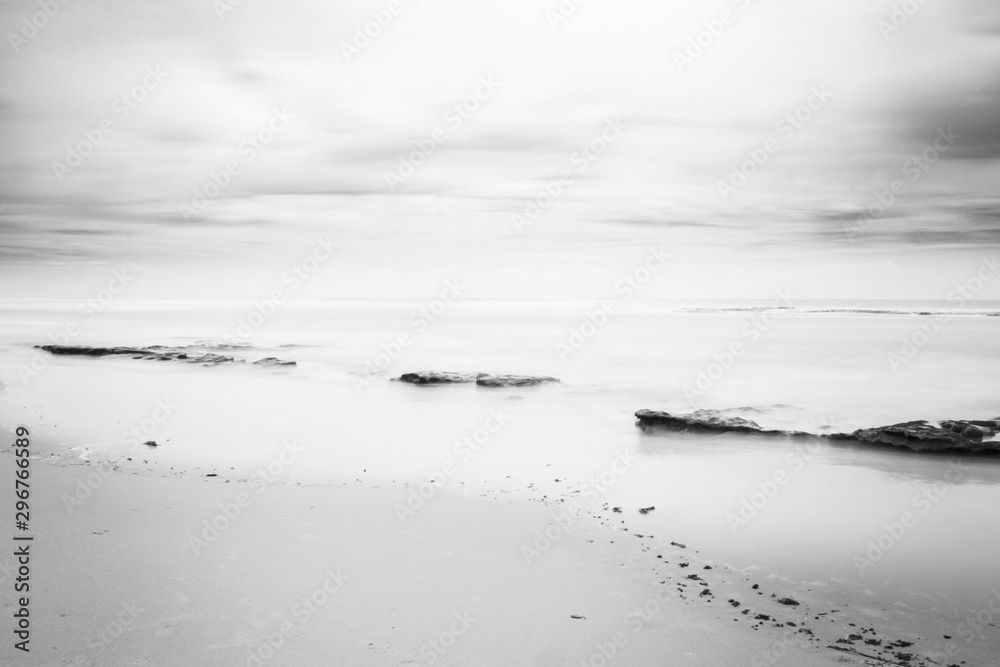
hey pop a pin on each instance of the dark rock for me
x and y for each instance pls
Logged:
(702, 421)
(646, 510)
(151, 443)
(789, 601)
(273, 361)
(969, 435)
(439, 377)
(514, 380)
(925, 436)
(189, 355)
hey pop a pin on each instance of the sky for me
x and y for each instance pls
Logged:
(534, 148)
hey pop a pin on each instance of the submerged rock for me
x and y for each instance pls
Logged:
(966, 435)
(439, 377)
(925, 436)
(702, 421)
(514, 380)
(189, 355)
(481, 379)
(273, 361)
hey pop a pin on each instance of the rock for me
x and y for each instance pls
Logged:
(702, 421)
(646, 510)
(192, 355)
(925, 436)
(439, 377)
(151, 443)
(514, 380)
(273, 361)
(789, 601)
(969, 435)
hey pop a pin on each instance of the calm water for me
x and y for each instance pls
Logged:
(808, 510)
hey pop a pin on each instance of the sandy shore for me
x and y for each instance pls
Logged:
(324, 575)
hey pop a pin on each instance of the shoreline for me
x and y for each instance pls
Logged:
(392, 589)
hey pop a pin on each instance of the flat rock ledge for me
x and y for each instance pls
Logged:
(481, 379)
(439, 377)
(703, 421)
(159, 353)
(948, 435)
(514, 380)
(965, 435)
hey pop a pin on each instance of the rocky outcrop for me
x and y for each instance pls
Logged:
(439, 377)
(273, 361)
(481, 379)
(948, 435)
(190, 355)
(972, 435)
(514, 380)
(702, 421)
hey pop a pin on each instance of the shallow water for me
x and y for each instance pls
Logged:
(802, 511)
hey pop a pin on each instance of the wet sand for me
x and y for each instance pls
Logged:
(329, 575)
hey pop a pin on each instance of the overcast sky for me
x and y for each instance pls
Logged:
(332, 116)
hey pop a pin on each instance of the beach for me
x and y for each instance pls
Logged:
(220, 496)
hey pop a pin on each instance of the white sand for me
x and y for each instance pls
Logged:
(117, 582)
